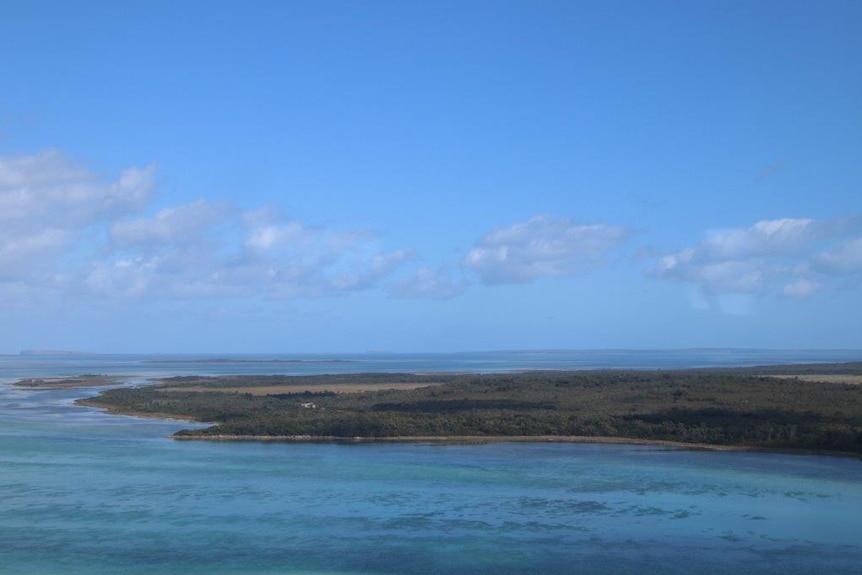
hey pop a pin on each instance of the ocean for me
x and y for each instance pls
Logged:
(83, 492)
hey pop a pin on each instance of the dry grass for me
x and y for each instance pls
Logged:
(262, 390)
(825, 378)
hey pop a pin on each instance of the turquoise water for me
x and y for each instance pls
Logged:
(298, 364)
(84, 492)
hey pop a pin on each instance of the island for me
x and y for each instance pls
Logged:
(74, 382)
(811, 408)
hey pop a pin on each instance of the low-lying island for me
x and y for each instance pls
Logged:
(798, 407)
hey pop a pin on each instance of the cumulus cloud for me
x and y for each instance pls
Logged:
(721, 275)
(280, 258)
(181, 224)
(67, 231)
(787, 256)
(766, 237)
(50, 190)
(542, 247)
(47, 201)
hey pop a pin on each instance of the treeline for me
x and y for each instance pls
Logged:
(721, 407)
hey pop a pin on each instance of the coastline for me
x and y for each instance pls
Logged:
(111, 410)
(466, 440)
(492, 439)
(75, 382)
(454, 439)
(447, 440)
(694, 405)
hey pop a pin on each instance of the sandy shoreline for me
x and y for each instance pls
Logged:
(468, 440)
(87, 402)
(485, 440)
(442, 440)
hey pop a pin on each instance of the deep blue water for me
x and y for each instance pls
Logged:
(82, 492)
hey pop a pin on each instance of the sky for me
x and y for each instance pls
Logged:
(347, 176)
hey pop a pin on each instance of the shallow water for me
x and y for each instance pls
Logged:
(84, 492)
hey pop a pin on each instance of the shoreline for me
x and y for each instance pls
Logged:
(111, 410)
(88, 381)
(466, 440)
(491, 439)
(448, 439)
(85, 381)
(676, 408)
(453, 439)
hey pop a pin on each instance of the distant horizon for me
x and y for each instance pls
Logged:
(72, 352)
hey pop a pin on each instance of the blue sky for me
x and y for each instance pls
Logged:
(328, 176)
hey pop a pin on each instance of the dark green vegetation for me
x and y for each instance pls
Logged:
(740, 407)
(86, 380)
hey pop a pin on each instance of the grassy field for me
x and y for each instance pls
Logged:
(787, 407)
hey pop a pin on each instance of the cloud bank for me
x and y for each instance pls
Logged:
(790, 257)
(70, 235)
(67, 231)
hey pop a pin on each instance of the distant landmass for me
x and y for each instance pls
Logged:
(38, 352)
(241, 360)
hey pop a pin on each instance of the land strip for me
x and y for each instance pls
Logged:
(260, 390)
(75, 382)
(753, 408)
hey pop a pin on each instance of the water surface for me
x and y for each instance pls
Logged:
(85, 492)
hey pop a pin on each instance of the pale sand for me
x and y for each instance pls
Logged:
(470, 439)
(825, 378)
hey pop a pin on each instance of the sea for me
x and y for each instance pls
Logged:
(85, 492)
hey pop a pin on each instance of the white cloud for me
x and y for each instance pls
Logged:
(162, 257)
(180, 224)
(290, 259)
(427, 284)
(781, 256)
(27, 254)
(49, 189)
(542, 247)
(121, 278)
(845, 258)
(766, 237)
(66, 232)
(265, 231)
(48, 203)
(721, 275)
(371, 271)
